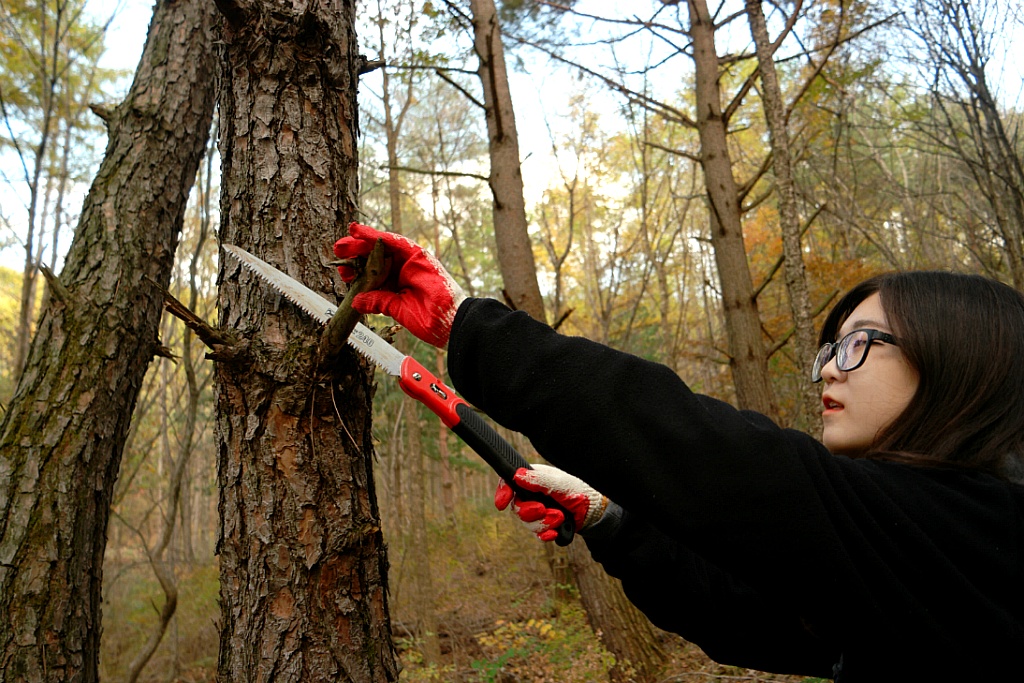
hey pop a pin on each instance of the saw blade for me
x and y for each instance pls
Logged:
(373, 346)
(363, 339)
(299, 294)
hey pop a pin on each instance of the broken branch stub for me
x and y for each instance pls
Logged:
(370, 276)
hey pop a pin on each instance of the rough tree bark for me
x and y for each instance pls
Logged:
(63, 435)
(805, 343)
(747, 356)
(303, 562)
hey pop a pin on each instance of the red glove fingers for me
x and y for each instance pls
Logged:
(418, 293)
(504, 495)
(569, 492)
(583, 502)
(541, 520)
(362, 239)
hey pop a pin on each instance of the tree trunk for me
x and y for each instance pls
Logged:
(302, 558)
(515, 253)
(804, 341)
(444, 458)
(623, 629)
(519, 274)
(747, 356)
(63, 435)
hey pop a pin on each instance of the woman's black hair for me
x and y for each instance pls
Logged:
(964, 335)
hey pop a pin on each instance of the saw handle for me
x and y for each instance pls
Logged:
(460, 417)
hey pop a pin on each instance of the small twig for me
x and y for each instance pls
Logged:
(104, 112)
(366, 66)
(465, 93)
(164, 352)
(562, 318)
(678, 152)
(434, 172)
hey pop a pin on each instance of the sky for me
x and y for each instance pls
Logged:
(539, 95)
(127, 34)
(127, 37)
(126, 40)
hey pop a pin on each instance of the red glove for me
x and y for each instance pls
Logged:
(418, 293)
(584, 502)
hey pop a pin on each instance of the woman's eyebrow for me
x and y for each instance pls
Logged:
(859, 324)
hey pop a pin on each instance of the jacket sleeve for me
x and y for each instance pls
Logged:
(893, 562)
(681, 592)
(730, 484)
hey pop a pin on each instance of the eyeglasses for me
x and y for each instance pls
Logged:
(849, 352)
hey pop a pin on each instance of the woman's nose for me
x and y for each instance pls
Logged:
(831, 372)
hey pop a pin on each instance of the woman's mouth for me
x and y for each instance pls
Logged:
(831, 405)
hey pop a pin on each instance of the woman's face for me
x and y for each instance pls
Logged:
(860, 403)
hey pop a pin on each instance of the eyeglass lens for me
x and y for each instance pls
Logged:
(849, 352)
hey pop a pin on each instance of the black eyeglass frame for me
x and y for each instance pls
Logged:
(830, 350)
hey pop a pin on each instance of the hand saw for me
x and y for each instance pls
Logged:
(417, 382)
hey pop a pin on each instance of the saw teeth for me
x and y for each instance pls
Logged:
(281, 292)
(373, 360)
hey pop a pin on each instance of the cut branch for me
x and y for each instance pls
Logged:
(224, 346)
(370, 277)
(368, 66)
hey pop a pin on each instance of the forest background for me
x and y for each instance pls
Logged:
(902, 122)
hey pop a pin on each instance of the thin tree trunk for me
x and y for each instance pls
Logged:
(515, 252)
(804, 340)
(64, 433)
(623, 629)
(519, 274)
(444, 456)
(420, 571)
(165, 574)
(444, 460)
(177, 487)
(302, 557)
(747, 356)
(205, 202)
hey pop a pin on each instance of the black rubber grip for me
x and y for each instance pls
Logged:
(505, 460)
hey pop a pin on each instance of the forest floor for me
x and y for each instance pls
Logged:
(499, 617)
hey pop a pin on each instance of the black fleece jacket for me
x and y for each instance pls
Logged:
(753, 541)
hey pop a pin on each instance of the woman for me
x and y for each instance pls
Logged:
(890, 550)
